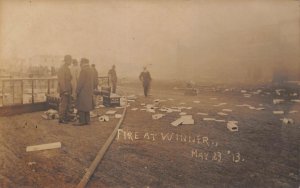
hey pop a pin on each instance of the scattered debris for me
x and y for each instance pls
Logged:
(118, 116)
(104, 118)
(157, 116)
(110, 112)
(184, 120)
(143, 104)
(197, 102)
(247, 95)
(243, 91)
(278, 112)
(134, 109)
(293, 111)
(232, 126)
(227, 110)
(50, 114)
(43, 147)
(222, 114)
(296, 100)
(93, 114)
(31, 163)
(278, 101)
(202, 114)
(209, 119)
(221, 104)
(177, 122)
(287, 121)
(220, 120)
(131, 97)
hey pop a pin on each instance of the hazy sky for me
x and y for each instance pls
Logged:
(171, 35)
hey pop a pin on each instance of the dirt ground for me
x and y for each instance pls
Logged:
(264, 152)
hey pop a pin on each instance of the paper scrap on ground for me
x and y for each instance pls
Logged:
(293, 111)
(227, 110)
(222, 114)
(287, 121)
(221, 104)
(104, 118)
(157, 116)
(278, 101)
(278, 112)
(232, 126)
(43, 147)
(197, 102)
(134, 109)
(202, 114)
(209, 119)
(110, 112)
(118, 116)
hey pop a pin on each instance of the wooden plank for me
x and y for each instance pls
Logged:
(43, 147)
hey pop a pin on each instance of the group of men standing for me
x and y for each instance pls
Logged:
(76, 86)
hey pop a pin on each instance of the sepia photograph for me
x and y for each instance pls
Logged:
(149, 93)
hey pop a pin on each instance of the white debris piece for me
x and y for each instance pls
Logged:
(197, 102)
(157, 116)
(252, 108)
(118, 116)
(184, 120)
(247, 95)
(131, 97)
(221, 104)
(232, 126)
(150, 110)
(110, 112)
(188, 108)
(278, 101)
(287, 121)
(220, 120)
(260, 108)
(169, 110)
(93, 114)
(294, 94)
(243, 91)
(43, 147)
(134, 109)
(188, 120)
(103, 118)
(182, 113)
(293, 111)
(227, 110)
(243, 105)
(296, 100)
(209, 119)
(183, 103)
(202, 114)
(143, 104)
(222, 114)
(170, 99)
(177, 122)
(278, 112)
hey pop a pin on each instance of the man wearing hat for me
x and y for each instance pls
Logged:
(64, 89)
(113, 78)
(145, 77)
(84, 92)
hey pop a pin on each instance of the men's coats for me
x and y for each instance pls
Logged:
(64, 80)
(84, 91)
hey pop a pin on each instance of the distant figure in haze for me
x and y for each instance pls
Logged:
(113, 78)
(95, 76)
(145, 77)
(84, 91)
(75, 70)
(64, 89)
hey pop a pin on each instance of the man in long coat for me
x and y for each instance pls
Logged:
(64, 89)
(113, 78)
(75, 70)
(145, 77)
(84, 91)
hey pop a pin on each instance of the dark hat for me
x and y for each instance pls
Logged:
(84, 61)
(67, 58)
